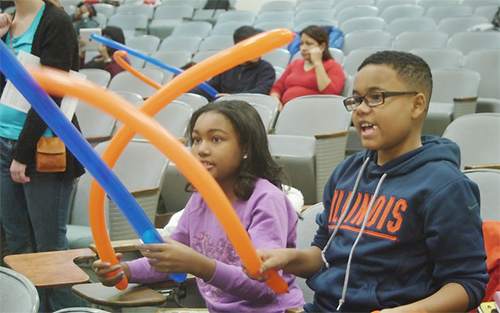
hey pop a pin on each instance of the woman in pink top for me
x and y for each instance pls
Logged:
(317, 73)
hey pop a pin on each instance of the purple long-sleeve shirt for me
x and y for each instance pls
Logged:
(271, 222)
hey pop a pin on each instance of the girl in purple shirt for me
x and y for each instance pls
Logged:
(230, 140)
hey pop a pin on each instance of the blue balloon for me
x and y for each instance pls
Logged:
(81, 149)
(118, 46)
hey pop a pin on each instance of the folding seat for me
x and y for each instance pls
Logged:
(216, 42)
(418, 39)
(306, 230)
(309, 140)
(488, 181)
(227, 28)
(277, 6)
(427, 4)
(255, 98)
(363, 23)
(246, 17)
(487, 63)
(453, 25)
(193, 100)
(410, 24)
(274, 16)
(126, 81)
(132, 24)
(313, 14)
(454, 94)
(402, 10)
(439, 12)
(354, 59)
(443, 57)
(366, 38)
(265, 26)
(355, 11)
(188, 43)
(319, 4)
(487, 11)
(146, 43)
(136, 8)
(477, 136)
(139, 159)
(470, 41)
(167, 16)
(105, 8)
(98, 76)
(340, 5)
(201, 29)
(382, 4)
(277, 57)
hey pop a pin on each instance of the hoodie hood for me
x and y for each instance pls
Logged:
(434, 149)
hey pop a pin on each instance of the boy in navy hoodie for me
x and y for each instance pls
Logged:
(401, 230)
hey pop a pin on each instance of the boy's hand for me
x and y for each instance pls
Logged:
(273, 259)
(102, 269)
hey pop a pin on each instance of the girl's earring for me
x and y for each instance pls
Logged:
(245, 157)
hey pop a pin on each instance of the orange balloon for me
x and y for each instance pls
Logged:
(135, 121)
(119, 55)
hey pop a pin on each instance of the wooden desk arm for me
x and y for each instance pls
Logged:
(331, 135)
(121, 246)
(98, 139)
(144, 192)
(468, 99)
(295, 310)
(483, 166)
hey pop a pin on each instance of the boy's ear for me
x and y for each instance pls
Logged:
(419, 105)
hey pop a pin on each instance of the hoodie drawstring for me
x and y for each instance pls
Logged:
(361, 231)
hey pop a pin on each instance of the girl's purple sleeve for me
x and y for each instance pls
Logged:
(143, 273)
(269, 229)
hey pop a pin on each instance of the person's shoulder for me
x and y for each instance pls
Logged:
(56, 15)
(297, 62)
(331, 63)
(265, 64)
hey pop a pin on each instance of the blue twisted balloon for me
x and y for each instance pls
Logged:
(118, 46)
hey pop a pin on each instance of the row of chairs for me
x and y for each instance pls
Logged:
(167, 17)
(283, 5)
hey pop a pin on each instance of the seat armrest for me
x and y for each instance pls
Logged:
(330, 151)
(464, 106)
(483, 166)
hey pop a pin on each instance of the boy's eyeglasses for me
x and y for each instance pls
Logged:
(373, 99)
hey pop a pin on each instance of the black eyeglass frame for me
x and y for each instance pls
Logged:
(385, 94)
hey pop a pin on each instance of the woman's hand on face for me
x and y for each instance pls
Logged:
(18, 172)
(316, 56)
(5, 23)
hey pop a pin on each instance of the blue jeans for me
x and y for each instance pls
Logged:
(34, 216)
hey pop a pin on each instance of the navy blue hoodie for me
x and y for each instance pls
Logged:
(422, 231)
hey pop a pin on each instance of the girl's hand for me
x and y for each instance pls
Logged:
(316, 56)
(18, 172)
(174, 257)
(5, 23)
(102, 269)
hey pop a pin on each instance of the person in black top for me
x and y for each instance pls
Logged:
(254, 76)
